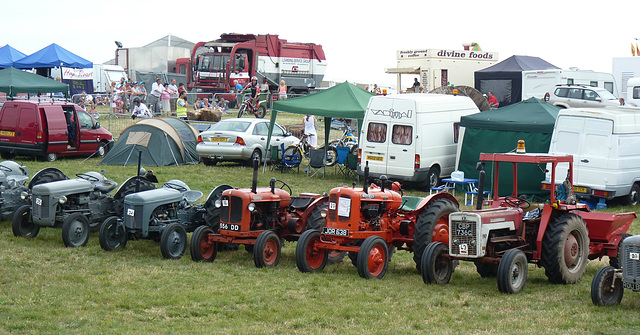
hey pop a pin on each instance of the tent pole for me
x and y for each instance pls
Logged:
(169, 144)
(127, 161)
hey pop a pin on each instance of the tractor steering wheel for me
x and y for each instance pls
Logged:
(87, 177)
(517, 202)
(282, 187)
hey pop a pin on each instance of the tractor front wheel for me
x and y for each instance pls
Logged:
(436, 268)
(565, 248)
(266, 252)
(373, 258)
(75, 230)
(112, 235)
(606, 289)
(173, 241)
(512, 271)
(22, 224)
(309, 258)
(201, 248)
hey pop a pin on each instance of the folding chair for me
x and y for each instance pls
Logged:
(341, 160)
(352, 167)
(276, 158)
(290, 161)
(316, 162)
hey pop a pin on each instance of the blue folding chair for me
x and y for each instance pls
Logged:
(341, 160)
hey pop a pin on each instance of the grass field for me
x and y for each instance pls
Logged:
(47, 288)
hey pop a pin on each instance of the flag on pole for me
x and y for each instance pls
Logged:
(633, 50)
(637, 50)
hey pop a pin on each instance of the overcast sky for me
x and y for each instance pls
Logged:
(360, 38)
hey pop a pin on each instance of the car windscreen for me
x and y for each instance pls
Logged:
(235, 126)
(606, 95)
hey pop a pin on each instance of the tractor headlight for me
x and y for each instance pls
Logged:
(24, 195)
(472, 243)
(251, 207)
(324, 213)
(455, 242)
(62, 200)
(12, 183)
(218, 203)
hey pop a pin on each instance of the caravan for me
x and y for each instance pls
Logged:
(412, 137)
(537, 83)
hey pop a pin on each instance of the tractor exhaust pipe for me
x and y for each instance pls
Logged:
(254, 183)
(481, 176)
(138, 172)
(383, 180)
(365, 188)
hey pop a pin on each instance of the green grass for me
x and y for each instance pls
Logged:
(47, 288)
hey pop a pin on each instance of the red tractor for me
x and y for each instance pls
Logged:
(259, 218)
(561, 236)
(370, 222)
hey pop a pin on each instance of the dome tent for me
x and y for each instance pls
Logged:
(163, 142)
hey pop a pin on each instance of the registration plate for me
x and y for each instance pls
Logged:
(336, 231)
(218, 139)
(375, 158)
(631, 286)
(464, 230)
(580, 189)
(7, 133)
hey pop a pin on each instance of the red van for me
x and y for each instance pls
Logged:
(50, 130)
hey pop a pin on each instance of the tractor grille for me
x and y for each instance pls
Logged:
(224, 210)
(40, 205)
(133, 216)
(631, 264)
(464, 237)
(235, 210)
(333, 204)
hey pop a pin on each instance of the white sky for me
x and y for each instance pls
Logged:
(359, 38)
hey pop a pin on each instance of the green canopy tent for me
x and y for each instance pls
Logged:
(14, 81)
(163, 142)
(341, 101)
(498, 131)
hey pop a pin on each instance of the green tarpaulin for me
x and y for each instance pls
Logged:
(14, 81)
(498, 131)
(344, 100)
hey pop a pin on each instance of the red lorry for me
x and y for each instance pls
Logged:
(50, 130)
(214, 66)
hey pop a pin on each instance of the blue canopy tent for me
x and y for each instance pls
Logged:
(54, 55)
(9, 55)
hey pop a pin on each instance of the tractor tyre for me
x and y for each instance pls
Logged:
(22, 223)
(266, 252)
(112, 235)
(486, 270)
(46, 176)
(512, 271)
(315, 221)
(602, 292)
(249, 248)
(373, 258)
(75, 230)
(309, 258)
(435, 267)
(615, 261)
(201, 248)
(173, 241)
(436, 214)
(129, 187)
(565, 248)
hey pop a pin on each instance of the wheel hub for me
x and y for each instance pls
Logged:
(376, 259)
(571, 250)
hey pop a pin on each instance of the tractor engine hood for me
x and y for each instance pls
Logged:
(153, 197)
(63, 187)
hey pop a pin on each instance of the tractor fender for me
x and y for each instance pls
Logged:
(317, 202)
(430, 198)
(215, 194)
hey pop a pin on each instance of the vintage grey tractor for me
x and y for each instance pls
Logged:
(609, 282)
(77, 205)
(13, 185)
(166, 215)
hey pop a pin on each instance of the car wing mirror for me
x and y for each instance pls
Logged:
(599, 99)
(96, 126)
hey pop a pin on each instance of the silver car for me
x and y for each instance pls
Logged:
(576, 96)
(240, 140)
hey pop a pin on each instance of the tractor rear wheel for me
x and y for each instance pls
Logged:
(75, 230)
(615, 261)
(201, 248)
(434, 218)
(112, 235)
(22, 224)
(173, 241)
(309, 258)
(565, 248)
(486, 270)
(435, 267)
(602, 292)
(266, 252)
(373, 258)
(512, 271)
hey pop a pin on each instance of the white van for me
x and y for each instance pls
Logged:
(605, 144)
(412, 137)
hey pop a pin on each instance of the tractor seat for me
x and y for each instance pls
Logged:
(300, 202)
(106, 186)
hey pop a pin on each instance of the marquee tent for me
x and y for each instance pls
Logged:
(14, 81)
(8, 55)
(52, 55)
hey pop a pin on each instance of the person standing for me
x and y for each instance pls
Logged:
(376, 89)
(282, 90)
(310, 125)
(182, 105)
(165, 99)
(174, 95)
(154, 96)
(493, 101)
(416, 85)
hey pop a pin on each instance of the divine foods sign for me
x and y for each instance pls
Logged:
(447, 54)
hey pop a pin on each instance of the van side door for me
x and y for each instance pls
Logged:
(8, 123)
(86, 131)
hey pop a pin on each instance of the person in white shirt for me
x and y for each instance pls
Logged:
(140, 109)
(310, 125)
(154, 96)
